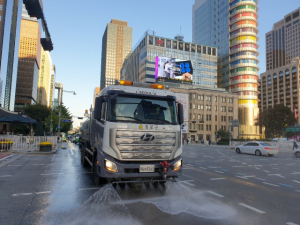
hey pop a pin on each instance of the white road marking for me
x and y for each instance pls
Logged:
(266, 171)
(278, 175)
(216, 194)
(218, 171)
(297, 190)
(217, 178)
(6, 176)
(6, 157)
(291, 223)
(296, 181)
(189, 164)
(257, 168)
(84, 189)
(43, 192)
(252, 208)
(295, 173)
(237, 166)
(271, 184)
(13, 165)
(53, 158)
(39, 164)
(50, 174)
(242, 177)
(22, 194)
(203, 168)
(71, 150)
(257, 165)
(188, 182)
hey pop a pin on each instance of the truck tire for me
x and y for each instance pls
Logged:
(97, 179)
(84, 163)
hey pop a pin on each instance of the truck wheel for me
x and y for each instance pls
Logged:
(97, 179)
(83, 160)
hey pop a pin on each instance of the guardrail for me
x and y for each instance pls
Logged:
(18, 143)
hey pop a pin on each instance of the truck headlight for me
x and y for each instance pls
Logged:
(110, 166)
(178, 165)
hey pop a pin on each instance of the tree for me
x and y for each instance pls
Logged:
(275, 119)
(65, 114)
(223, 134)
(37, 112)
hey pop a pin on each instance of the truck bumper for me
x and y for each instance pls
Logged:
(130, 169)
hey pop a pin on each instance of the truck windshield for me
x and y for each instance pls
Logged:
(142, 110)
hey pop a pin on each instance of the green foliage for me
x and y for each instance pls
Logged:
(222, 143)
(275, 119)
(65, 114)
(37, 112)
(223, 134)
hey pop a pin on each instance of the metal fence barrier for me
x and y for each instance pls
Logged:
(18, 143)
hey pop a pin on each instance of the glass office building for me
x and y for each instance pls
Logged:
(140, 64)
(211, 27)
(29, 62)
(10, 24)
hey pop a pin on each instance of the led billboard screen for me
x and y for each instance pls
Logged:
(173, 68)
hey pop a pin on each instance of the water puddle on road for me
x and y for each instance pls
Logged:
(109, 204)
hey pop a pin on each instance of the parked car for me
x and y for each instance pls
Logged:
(257, 148)
(296, 149)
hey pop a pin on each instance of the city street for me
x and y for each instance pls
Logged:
(217, 186)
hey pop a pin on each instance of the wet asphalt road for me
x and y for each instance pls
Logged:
(218, 186)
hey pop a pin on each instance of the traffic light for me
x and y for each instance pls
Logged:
(56, 129)
(216, 134)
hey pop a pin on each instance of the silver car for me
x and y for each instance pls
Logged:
(257, 148)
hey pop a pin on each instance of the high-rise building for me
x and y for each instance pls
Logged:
(211, 28)
(44, 79)
(52, 87)
(29, 61)
(281, 86)
(140, 64)
(10, 14)
(232, 26)
(283, 41)
(116, 45)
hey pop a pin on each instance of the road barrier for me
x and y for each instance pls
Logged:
(18, 143)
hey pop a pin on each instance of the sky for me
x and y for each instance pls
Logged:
(77, 27)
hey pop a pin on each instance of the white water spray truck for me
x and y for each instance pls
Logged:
(133, 134)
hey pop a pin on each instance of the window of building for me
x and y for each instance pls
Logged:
(216, 117)
(216, 99)
(150, 40)
(208, 98)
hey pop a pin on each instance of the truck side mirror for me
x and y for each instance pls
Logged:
(97, 110)
(180, 114)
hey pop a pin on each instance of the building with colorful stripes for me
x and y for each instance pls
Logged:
(234, 33)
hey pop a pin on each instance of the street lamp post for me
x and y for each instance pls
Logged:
(59, 116)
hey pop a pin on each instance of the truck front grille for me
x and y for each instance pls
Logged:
(145, 145)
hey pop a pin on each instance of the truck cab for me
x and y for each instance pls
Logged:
(134, 134)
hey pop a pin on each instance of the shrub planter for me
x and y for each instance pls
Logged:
(45, 147)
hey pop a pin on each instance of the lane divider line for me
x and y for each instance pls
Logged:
(285, 185)
(6, 176)
(43, 192)
(203, 168)
(296, 181)
(275, 185)
(252, 208)
(216, 194)
(222, 178)
(291, 223)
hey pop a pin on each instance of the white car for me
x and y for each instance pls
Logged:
(257, 148)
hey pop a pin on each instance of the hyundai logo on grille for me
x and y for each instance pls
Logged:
(147, 137)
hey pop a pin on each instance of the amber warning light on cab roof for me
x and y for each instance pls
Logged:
(140, 84)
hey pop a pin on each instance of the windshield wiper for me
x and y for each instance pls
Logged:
(130, 117)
